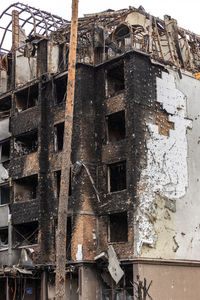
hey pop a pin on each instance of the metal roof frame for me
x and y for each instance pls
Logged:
(40, 21)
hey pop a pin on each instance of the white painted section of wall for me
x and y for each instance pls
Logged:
(25, 68)
(79, 254)
(53, 57)
(4, 212)
(166, 170)
(3, 81)
(187, 216)
(4, 129)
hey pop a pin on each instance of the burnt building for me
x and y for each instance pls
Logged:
(133, 221)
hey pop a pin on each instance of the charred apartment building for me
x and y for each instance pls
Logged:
(133, 223)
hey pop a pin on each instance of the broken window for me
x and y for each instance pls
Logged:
(117, 177)
(118, 227)
(58, 136)
(26, 143)
(60, 89)
(5, 107)
(26, 98)
(25, 188)
(25, 234)
(115, 80)
(4, 150)
(57, 175)
(122, 37)
(4, 194)
(116, 126)
(3, 238)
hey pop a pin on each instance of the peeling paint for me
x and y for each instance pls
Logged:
(166, 170)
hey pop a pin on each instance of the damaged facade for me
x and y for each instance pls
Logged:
(133, 226)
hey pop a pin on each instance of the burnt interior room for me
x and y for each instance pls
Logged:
(115, 126)
(26, 143)
(115, 80)
(5, 150)
(117, 176)
(60, 86)
(4, 194)
(5, 106)
(26, 98)
(3, 237)
(118, 227)
(58, 136)
(25, 188)
(25, 234)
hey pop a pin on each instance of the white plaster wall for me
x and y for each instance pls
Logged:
(167, 217)
(4, 129)
(53, 57)
(25, 68)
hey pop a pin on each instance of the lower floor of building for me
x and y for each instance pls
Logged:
(141, 279)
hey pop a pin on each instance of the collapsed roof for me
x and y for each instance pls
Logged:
(106, 35)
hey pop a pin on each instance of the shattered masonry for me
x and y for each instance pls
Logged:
(134, 183)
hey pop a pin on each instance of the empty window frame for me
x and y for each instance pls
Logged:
(26, 143)
(115, 126)
(4, 194)
(117, 176)
(3, 237)
(26, 98)
(25, 234)
(25, 188)
(57, 175)
(5, 107)
(118, 227)
(58, 136)
(115, 80)
(60, 86)
(5, 150)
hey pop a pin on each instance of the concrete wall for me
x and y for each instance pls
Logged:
(169, 281)
(4, 211)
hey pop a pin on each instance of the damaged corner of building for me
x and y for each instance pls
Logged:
(132, 226)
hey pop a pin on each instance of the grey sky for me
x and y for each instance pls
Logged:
(185, 11)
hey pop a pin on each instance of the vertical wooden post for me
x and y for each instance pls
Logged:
(61, 235)
(15, 30)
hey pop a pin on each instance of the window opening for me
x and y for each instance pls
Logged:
(115, 80)
(26, 98)
(58, 136)
(117, 177)
(118, 227)
(3, 238)
(26, 143)
(60, 89)
(5, 151)
(25, 188)
(116, 126)
(25, 234)
(5, 107)
(4, 194)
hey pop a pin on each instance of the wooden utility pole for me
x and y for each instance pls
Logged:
(61, 236)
